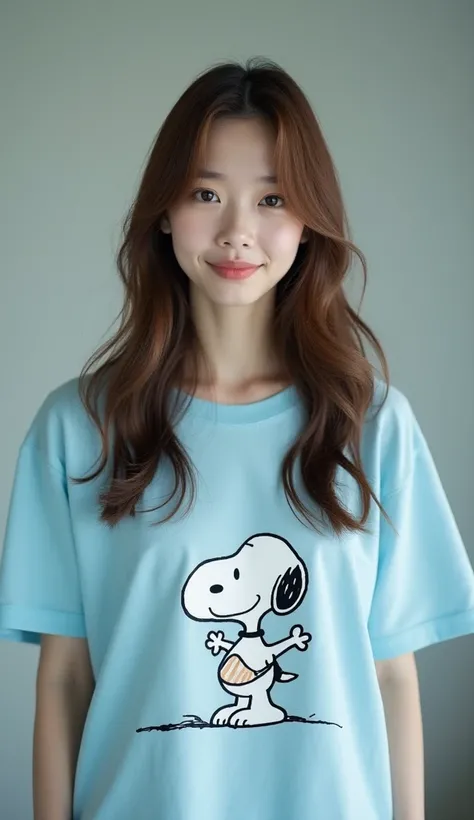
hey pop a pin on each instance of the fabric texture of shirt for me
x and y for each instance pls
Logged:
(233, 648)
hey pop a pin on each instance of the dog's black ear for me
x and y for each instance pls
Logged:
(289, 590)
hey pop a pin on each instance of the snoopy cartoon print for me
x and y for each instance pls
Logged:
(264, 575)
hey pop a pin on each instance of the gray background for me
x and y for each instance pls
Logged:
(84, 89)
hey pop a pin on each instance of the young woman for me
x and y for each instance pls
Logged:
(229, 537)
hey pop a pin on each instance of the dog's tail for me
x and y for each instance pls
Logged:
(281, 676)
(285, 677)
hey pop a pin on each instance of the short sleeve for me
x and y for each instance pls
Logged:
(424, 592)
(39, 583)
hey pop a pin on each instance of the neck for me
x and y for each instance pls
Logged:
(239, 355)
(246, 633)
(252, 624)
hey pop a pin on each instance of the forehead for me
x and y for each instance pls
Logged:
(242, 148)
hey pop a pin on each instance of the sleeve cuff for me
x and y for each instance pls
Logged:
(25, 625)
(426, 634)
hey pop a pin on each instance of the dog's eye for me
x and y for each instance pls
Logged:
(236, 574)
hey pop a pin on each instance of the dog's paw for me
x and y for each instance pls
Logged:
(301, 638)
(223, 715)
(214, 641)
(240, 718)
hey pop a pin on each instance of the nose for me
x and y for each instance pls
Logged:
(216, 588)
(236, 231)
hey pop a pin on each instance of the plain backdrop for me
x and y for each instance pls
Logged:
(84, 88)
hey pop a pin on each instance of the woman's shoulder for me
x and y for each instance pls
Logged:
(391, 434)
(60, 419)
(389, 406)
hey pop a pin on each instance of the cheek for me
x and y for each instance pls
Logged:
(282, 238)
(190, 231)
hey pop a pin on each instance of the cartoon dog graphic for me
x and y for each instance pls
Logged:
(264, 575)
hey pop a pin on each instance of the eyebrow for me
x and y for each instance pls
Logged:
(205, 173)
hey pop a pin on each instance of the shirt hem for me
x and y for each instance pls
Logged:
(26, 625)
(426, 634)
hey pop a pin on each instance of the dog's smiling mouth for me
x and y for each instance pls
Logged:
(234, 614)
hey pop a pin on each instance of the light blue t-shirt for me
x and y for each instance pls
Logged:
(233, 649)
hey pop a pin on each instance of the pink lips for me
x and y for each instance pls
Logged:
(234, 270)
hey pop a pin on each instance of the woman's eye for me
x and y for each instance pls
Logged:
(272, 199)
(207, 195)
(236, 574)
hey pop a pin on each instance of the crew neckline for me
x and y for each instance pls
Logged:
(240, 413)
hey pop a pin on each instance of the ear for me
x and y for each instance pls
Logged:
(304, 236)
(289, 590)
(165, 224)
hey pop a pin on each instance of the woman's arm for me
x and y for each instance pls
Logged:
(64, 688)
(398, 680)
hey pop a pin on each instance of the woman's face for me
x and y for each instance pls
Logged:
(234, 212)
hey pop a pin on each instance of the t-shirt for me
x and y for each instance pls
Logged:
(233, 646)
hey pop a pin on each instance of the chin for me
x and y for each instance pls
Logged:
(234, 300)
(236, 293)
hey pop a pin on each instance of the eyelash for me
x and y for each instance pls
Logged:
(208, 190)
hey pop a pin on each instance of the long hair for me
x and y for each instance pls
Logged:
(320, 337)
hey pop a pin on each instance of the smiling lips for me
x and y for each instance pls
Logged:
(234, 270)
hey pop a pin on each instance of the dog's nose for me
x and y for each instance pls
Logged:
(216, 588)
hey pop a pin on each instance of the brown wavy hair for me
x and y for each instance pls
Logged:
(319, 337)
